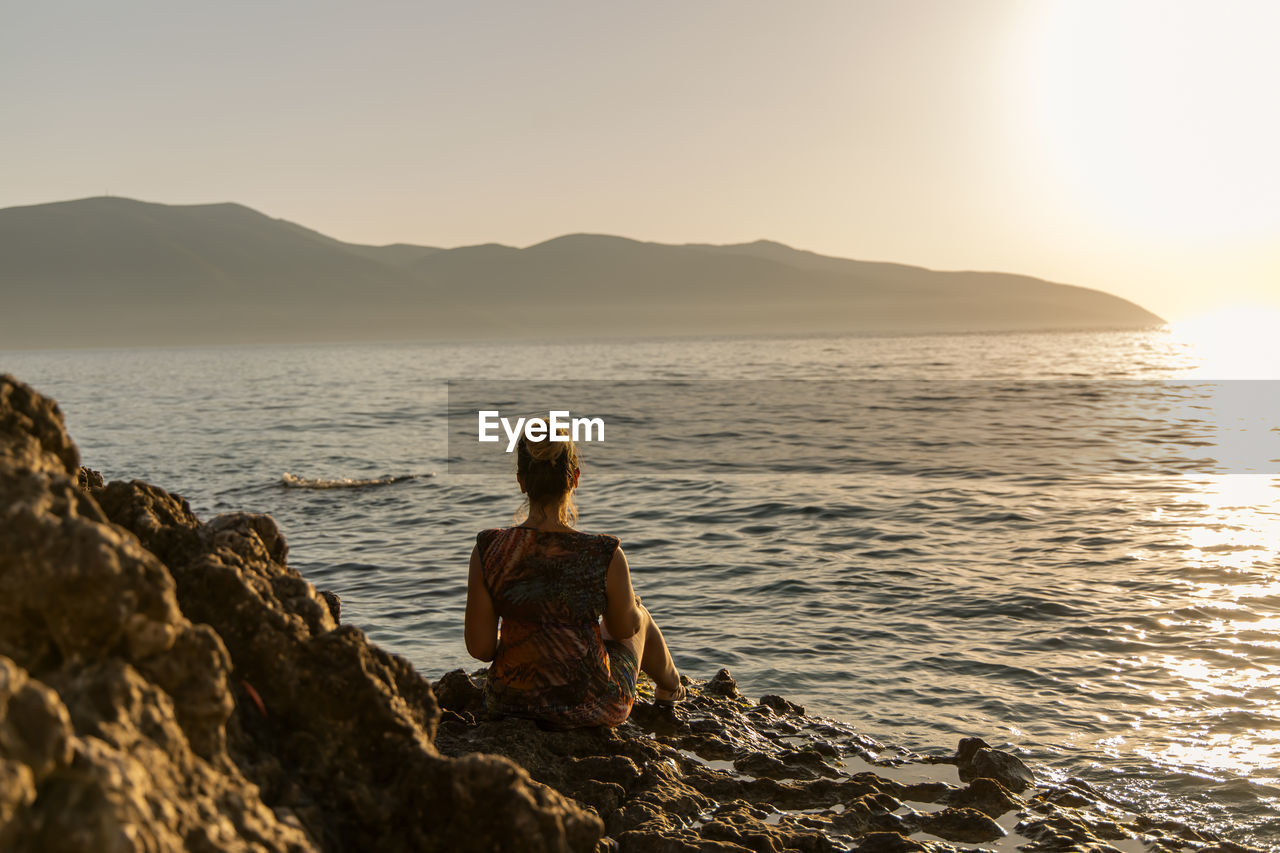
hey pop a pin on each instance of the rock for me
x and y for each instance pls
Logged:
(334, 604)
(87, 478)
(758, 764)
(168, 684)
(967, 748)
(986, 795)
(781, 706)
(743, 825)
(723, 685)
(961, 824)
(1004, 767)
(455, 691)
(889, 842)
(684, 841)
(32, 434)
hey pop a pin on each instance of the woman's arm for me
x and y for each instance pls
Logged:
(622, 611)
(481, 622)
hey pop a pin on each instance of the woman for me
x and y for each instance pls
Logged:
(573, 633)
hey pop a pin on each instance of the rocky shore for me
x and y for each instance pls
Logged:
(171, 684)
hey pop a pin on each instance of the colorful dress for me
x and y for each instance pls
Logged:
(552, 664)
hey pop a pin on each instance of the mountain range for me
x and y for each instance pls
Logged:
(112, 271)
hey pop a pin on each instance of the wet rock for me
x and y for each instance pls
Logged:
(889, 842)
(961, 824)
(986, 795)
(811, 759)
(1064, 796)
(709, 746)
(1174, 828)
(781, 706)
(681, 841)
(1004, 767)
(967, 748)
(738, 823)
(770, 767)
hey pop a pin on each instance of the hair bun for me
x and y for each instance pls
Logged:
(547, 450)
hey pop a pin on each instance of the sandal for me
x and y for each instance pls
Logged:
(670, 702)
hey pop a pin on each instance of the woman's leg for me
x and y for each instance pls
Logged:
(650, 649)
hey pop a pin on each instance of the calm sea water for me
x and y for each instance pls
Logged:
(1109, 618)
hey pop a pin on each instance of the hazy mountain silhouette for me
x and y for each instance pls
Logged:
(113, 271)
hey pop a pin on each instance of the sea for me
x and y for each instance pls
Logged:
(1066, 543)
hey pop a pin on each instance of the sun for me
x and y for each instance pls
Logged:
(1157, 115)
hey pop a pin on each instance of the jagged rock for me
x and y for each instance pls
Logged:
(722, 684)
(780, 705)
(455, 691)
(334, 604)
(87, 478)
(32, 434)
(168, 685)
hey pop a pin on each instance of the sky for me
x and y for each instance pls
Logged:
(1126, 145)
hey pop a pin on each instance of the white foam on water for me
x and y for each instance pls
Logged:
(292, 481)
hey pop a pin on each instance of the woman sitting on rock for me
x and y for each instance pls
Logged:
(574, 634)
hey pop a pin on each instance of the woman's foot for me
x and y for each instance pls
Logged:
(668, 697)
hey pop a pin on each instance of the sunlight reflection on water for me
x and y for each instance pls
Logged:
(1223, 715)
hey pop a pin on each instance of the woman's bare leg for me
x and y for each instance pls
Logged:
(650, 649)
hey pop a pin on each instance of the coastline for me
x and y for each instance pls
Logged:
(173, 684)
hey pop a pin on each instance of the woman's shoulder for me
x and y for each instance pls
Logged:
(486, 537)
(605, 545)
(603, 540)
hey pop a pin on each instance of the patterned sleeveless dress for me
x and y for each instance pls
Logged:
(552, 664)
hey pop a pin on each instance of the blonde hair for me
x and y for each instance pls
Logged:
(547, 468)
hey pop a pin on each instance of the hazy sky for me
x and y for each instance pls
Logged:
(1129, 146)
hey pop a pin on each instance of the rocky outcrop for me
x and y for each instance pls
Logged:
(724, 773)
(167, 684)
(172, 684)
